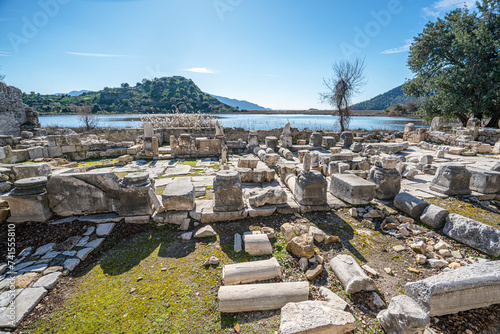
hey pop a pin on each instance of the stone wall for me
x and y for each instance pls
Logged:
(15, 116)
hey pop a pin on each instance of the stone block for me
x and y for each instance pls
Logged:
(451, 179)
(315, 317)
(404, 315)
(228, 194)
(484, 181)
(477, 235)
(352, 189)
(178, 196)
(310, 188)
(248, 272)
(31, 170)
(470, 287)
(387, 181)
(77, 194)
(257, 244)
(24, 304)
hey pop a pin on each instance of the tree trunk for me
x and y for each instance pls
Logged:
(462, 118)
(494, 121)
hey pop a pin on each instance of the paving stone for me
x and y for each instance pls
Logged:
(83, 253)
(48, 281)
(24, 304)
(71, 264)
(45, 248)
(37, 268)
(94, 243)
(104, 229)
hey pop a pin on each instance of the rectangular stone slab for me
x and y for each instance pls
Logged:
(484, 181)
(465, 288)
(261, 297)
(352, 189)
(24, 304)
(248, 272)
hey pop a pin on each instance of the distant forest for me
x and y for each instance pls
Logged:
(384, 101)
(161, 95)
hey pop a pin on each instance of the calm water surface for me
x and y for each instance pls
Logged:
(249, 121)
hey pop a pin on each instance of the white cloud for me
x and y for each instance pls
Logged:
(94, 54)
(201, 70)
(5, 54)
(403, 48)
(442, 6)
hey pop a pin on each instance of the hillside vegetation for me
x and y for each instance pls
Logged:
(161, 95)
(383, 101)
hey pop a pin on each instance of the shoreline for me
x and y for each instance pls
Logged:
(356, 113)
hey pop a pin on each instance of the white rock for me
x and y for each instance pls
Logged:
(104, 229)
(48, 281)
(205, 231)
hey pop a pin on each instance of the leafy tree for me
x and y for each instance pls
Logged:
(456, 62)
(348, 78)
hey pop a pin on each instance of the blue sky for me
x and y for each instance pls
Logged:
(271, 52)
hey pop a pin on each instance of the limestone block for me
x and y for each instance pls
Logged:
(310, 188)
(178, 196)
(248, 272)
(352, 189)
(228, 195)
(477, 235)
(257, 244)
(31, 170)
(83, 193)
(484, 181)
(261, 297)
(451, 179)
(465, 288)
(315, 317)
(387, 181)
(404, 315)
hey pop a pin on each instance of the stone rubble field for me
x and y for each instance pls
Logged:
(342, 233)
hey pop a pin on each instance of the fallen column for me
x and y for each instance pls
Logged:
(261, 297)
(465, 288)
(248, 272)
(477, 235)
(351, 275)
(410, 204)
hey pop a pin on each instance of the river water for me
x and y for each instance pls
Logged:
(249, 121)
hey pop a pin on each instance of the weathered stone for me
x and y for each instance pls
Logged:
(301, 246)
(228, 195)
(261, 297)
(315, 317)
(333, 299)
(437, 124)
(387, 181)
(31, 170)
(137, 195)
(248, 162)
(318, 234)
(404, 316)
(477, 235)
(465, 288)
(15, 115)
(83, 193)
(237, 242)
(410, 204)
(248, 272)
(71, 264)
(310, 188)
(257, 244)
(484, 181)
(314, 271)
(434, 216)
(28, 201)
(104, 229)
(83, 253)
(48, 281)
(352, 189)
(205, 231)
(346, 139)
(269, 196)
(351, 275)
(178, 196)
(451, 179)
(271, 142)
(316, 139)
(24, 304)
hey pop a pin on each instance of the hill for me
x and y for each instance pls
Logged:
(383, 101)
(240, 104)
(74, 92)
(161, 95)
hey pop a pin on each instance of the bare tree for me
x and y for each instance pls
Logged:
(86, 117)
(348, 78)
